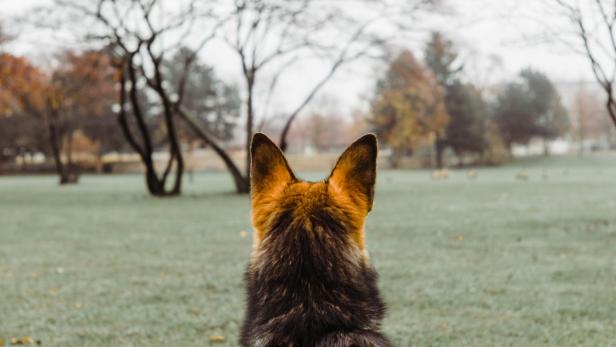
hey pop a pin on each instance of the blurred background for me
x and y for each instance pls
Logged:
(176, 88)
(497, 129)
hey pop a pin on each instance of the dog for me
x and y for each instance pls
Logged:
(309, 282)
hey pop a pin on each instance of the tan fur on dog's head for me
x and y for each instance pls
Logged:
(346, 195)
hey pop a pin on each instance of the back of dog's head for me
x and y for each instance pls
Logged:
(323, 214)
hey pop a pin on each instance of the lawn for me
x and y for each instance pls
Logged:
(487, 262)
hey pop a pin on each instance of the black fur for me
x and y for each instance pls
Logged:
(309, 286)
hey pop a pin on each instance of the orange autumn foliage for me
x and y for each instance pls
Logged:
(24, 87)
(409, 108)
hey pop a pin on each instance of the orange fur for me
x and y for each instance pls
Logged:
(347, 193)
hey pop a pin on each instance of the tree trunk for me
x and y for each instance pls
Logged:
(241, 182)
(249, 121)
(153, 184)
(156, 186)
(55, 151)
(65, 172)
(611, 107)
(175, 148)
(439, 148)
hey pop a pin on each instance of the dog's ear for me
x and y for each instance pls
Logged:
(269, 170)
(355, 171)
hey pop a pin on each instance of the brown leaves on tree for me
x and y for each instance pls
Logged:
(408, 109)
(66, 98)
(24, 87)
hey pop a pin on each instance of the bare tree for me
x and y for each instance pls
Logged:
(594, 24)
(140, 34)
(275, 34)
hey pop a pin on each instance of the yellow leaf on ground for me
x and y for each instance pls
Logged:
(217, 338)
(25, 340)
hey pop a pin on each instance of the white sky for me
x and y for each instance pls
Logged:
(486, 27)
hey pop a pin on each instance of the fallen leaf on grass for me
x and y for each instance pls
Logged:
(20, 341)
(217, 338)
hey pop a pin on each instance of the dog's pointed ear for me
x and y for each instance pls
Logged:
(268, 167)
(355, 171)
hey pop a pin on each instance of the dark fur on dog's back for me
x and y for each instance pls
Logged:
(308, 287)
(309, 282)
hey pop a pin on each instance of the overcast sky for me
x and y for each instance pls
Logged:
(503, 28)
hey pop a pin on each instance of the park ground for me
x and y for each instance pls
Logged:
(493, 261)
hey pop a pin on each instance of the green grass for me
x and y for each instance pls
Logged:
(490, 262)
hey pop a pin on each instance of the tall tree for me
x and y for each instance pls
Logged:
(80, 87)
(409, 107)
(547, 105)
(84, 90)
(530, 108)
(468, 117)
(467, 111)
(442, 58)
(515, 116)
(22, 90)
(26, 92)
(594, 26)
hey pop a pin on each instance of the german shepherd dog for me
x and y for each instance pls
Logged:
(309, 281)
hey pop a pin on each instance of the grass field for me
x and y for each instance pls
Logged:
(489, 262)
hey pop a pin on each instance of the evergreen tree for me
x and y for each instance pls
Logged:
(468, 115)
(467, 112)
(530, 108)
